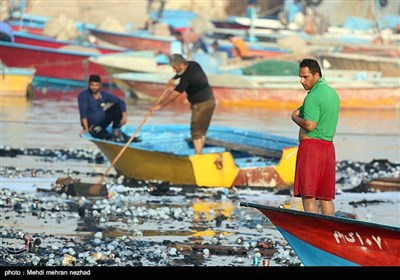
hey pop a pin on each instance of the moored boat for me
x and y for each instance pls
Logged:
(371, 49)
(139, 40)
(32, 28)
(132, 61)
(16, 81)
(47, 42)
(231, 157)
(241, 22)
(67, 67)
(389, 66)
(36, 24)
(276, 91)
(143, 40)
(335, 241)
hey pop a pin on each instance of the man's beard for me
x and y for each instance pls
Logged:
(93, 91)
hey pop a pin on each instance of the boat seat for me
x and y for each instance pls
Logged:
(245, 148)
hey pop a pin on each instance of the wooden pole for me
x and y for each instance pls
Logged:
(131, 139)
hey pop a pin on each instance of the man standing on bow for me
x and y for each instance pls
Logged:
(194, 82)
(315, 176)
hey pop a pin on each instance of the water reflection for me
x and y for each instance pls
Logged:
(51, 120)
(14, 108)
(206, 211)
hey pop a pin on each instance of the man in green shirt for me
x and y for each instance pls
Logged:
(315, 176)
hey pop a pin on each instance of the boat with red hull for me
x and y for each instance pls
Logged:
(31, 28)
(139, 40)
(321, 240)
(53, 65)
(143, 40)
(47, 42)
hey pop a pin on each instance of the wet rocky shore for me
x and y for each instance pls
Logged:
(146, 223)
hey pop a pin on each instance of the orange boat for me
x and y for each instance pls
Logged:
(275, 91)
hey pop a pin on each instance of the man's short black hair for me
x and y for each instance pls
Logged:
(94, 78)
(312, 65)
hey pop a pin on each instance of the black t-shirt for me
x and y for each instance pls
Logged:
(195, 83)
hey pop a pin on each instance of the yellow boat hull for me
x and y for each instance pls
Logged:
(287, 165)
(205, 170)
(231, 157)
(16, 84)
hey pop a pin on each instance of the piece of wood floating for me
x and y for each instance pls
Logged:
(384, 184)
(75, 187)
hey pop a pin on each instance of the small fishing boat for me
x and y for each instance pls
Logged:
(138, 41)
(321, 240)
(132, 61)
(54, 66)
(47, 42)
(276, 91)
(32, 28)
(16, 81)
(35, 24)
(150, 62)
(231, 157)
(389, 66)
(241, 22)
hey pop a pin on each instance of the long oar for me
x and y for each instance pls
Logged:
(131, 139)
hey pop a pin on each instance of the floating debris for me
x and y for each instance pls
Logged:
(75, 187)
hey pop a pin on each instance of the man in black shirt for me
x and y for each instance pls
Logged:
(194, 82)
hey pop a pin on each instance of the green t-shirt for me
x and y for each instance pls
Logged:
(321, 105)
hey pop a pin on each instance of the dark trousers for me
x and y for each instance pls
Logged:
(113, 116)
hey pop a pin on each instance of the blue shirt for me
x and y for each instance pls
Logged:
(93, 109)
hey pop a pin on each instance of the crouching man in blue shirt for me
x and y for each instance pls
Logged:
(99, 109)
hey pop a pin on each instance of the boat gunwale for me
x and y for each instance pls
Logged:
(183, 128)
(320, 216)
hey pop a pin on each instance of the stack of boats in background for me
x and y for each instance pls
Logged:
(55, 61)
(141, 55)
(366, 89)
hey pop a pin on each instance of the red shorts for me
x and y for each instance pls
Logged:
(315, 174)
